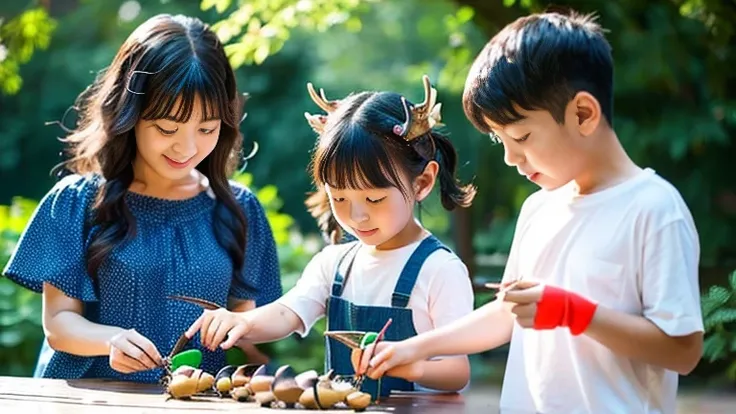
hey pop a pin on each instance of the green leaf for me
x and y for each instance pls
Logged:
(464, 14)
(732, 280)
(719, 317)
(267, 195)
(717, 296)
(262, 52)
(508, 3)
(714, 347)
(243, 178)
(207, 4)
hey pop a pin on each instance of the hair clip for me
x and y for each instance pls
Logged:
(130, 80)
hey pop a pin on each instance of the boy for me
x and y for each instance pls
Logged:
(602, 277)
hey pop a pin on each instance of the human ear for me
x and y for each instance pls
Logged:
(587, 112)
(424, 183)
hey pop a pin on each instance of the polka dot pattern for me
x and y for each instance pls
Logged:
(174, 252)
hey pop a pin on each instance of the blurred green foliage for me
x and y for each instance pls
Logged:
(21, 332)
(20, 37)
(719, 317)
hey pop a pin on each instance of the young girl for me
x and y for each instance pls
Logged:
(376, 158)
(147, 212)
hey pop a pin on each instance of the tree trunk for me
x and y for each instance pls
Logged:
(463, 228)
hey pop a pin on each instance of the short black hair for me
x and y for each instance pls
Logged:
(539, 62)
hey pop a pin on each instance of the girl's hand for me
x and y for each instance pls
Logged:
(132, 352)
(396, 359)
(215, 325)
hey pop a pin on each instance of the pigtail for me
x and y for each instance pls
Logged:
(318, 205)
(452, 193)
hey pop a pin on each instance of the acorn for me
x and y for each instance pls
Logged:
(182, 387)
(307, 399)
(243, 374)
(260, 381)
(307, 379)
(240, 394)
(223, 382)
(358, 400)
(186, 381)
(265, 398)
(284, 386)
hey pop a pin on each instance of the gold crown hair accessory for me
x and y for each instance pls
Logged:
(317, 122)
(421, 118)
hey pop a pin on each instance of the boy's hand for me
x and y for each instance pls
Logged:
(215, 325)
(396, 359)
(540, 306)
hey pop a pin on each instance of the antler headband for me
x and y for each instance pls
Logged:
(317, 122)
(419, 119)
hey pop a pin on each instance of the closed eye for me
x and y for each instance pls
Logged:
(165, 131)
(207, 131)
(375, 201)
(522, 139)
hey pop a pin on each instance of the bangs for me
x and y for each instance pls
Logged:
(356, 160)
(173, 92)
(491, 97)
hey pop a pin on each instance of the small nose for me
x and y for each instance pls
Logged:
(186, 145)
(512, 157)
(358, 213)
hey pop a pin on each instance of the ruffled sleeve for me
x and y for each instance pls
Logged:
(52, 248)
(261, 266)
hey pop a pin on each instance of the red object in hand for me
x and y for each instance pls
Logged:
(561, 308)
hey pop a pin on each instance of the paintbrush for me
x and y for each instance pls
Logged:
(379, 337)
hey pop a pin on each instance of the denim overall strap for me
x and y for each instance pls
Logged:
(410, 272)
(345, 315)
(338, 284)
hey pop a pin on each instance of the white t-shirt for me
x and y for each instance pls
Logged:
(442, 293)
(633, 248)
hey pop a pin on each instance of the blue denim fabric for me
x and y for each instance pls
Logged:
(344, 315)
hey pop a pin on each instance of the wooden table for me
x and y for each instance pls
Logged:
(33, 395)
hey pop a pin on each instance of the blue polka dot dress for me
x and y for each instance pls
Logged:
(174, 252)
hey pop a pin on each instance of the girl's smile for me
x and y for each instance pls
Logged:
(365, 233)
(176, 164)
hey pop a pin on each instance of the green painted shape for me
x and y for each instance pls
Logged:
(191, 358)
(368, 338)
(235, 356)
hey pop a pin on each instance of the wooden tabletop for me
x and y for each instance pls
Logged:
(34, 395)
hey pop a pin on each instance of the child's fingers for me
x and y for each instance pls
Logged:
(220, 334)
(235, 334)
(383, 358)
(194, 328)
(525, 283)
(523, 296)
(366, 360)
(204, 331)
